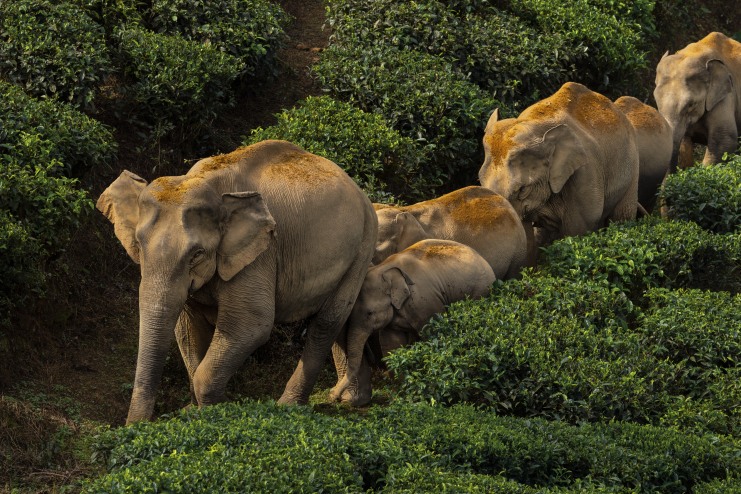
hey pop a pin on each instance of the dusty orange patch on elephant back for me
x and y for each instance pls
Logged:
(585, 106)
(426, 250)
(641, 116)
(482, 213)
(173, 189)
(302, 168)
(221, 161)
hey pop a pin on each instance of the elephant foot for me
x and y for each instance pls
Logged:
(339, 389)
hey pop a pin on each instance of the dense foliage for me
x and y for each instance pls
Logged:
(77, 141)
(384, 163)
(172, 83)
(39, 211)
(710, 196)
(403, 448)
(52, 49)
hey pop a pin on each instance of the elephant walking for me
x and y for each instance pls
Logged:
(654, 143)
(473, 216)
(698, 90)
(268, 233)
(567, 163)
(400, 295)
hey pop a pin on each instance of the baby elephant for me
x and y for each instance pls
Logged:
(473, 216)
(401, 294)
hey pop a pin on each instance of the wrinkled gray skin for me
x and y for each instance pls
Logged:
(654, 142)
(567, 164)
(698, 90)
(473, 216)
(268, 233)
(400, 295)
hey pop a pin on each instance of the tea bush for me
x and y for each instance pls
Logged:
(708, 195)
(250, 30)
(38, 212)
(52, 49)
(540, 346)
(403, 447)
(503, 55)
(77, 141)
(635, 256)
(422, 96)
(173, 84)
(385, 164)
(615, 50)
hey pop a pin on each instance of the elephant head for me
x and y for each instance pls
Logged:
(385, 291)
(528, 163)
(690, 88)
(181, 232)
(397, 230)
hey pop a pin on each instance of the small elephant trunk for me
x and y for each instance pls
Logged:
(157, 318)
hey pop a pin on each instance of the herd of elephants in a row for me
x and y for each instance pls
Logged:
(271, 233)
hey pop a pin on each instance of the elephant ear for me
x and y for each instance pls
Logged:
(409, 231)
(720, 83)
(564, 153)
(247, 229)
(494, 118)
(120, 204)
(396, 285)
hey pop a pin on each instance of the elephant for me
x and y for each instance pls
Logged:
(473, 216)
(698, 90)
(567, 163)
(654, 142)
(267, 233)
(400, 295)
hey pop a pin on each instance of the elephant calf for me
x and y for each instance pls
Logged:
(473, 216)
(401, 294)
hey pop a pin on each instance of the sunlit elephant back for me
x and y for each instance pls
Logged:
(268, 233)
(698, 90)
(567, 163)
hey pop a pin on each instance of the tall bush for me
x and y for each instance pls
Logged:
(77, 141)
(250, 30)
(708, 195)
(52, 49)
(422, 96)
(172, 84)
(385, 164)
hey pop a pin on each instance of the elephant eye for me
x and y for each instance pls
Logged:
(198, 256)
(523, 192)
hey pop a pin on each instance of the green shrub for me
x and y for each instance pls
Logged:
(708, 195)
(421, 96)
(403, 447)
(385, 164)
(38, 213)
(77, 141)
(502, 54)
(615, 50)
(250, 30)
(539, 346)
(52, 49)
(172, 84)
(635, 256)
(112, 14)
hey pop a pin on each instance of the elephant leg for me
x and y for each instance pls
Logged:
(245, 320)
(322, 332)
(194, 332)
(722, 138)
(627, 208)
(339, 353)
(686, 157)
(354, 385)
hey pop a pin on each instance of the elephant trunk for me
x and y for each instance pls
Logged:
(158, 313)
(678, 130)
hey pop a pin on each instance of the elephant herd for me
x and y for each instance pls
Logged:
(271, 233)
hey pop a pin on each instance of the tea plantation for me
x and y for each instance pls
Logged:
(615, 366)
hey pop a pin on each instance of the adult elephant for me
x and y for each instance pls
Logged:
(698, 90)
(473, 216)
(268, 233)
(567, 163)
(654, 143)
